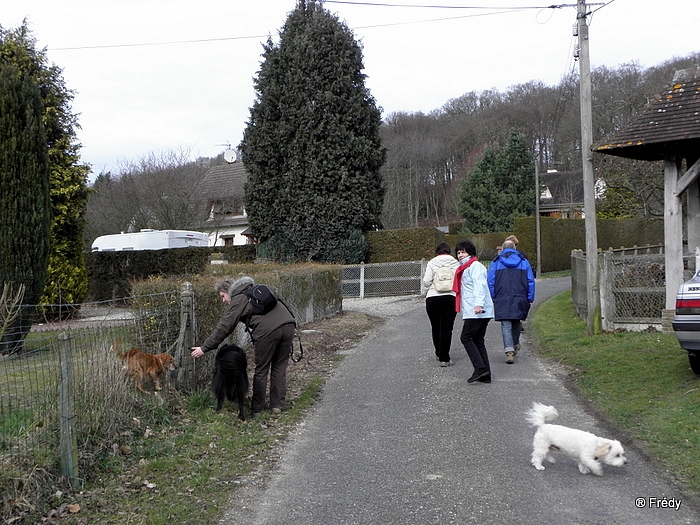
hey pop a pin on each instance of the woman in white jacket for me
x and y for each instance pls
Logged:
(477, 309)
(440, 300)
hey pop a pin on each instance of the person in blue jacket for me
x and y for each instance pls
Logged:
(512, 286)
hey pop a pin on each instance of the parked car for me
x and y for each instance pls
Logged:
(686, 321)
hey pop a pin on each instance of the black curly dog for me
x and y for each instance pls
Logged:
(230, 379)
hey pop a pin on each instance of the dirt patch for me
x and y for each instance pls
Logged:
(322, 342)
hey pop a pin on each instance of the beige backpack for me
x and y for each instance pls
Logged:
(442, 279)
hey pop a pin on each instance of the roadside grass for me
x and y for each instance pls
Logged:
(173, 459)
(641, 382)
(185, 470)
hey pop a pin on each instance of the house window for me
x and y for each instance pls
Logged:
(228, 240)
(225, 208)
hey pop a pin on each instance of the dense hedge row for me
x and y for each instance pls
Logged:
(407, 244)
(557, 238)
(312, 291)
(111, 273)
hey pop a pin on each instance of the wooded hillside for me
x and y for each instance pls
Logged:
(428, 155)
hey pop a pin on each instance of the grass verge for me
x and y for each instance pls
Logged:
(641, 382)
(185, 472)
(184, 465)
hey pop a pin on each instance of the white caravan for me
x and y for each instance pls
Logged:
(150, 240)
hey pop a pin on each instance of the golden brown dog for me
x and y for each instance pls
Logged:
(141, 365)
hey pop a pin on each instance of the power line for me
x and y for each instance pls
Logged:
(446, 6)
(499, 11)
(494, 10)
(601, 6)
(172, 42)
(432, 20)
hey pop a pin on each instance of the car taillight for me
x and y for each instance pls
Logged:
(687, 306)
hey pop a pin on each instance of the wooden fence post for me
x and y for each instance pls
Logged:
(185, 341)
(69, 443)
(607, 298)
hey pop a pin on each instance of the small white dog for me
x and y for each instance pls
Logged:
(588, 449)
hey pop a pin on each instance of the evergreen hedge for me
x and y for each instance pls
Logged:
(111, 273)
(558, 237)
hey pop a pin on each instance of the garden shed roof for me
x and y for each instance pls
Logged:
(670, 124)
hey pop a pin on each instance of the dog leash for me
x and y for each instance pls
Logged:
(296, 332)
(301, 349)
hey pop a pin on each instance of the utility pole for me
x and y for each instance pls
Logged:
(538, 241)
(593, 321)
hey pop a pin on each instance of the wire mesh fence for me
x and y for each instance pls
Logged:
(632, 286)
(68, 375)
(633, 289)
(382, 279)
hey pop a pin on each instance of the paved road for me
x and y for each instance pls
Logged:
(395, 439)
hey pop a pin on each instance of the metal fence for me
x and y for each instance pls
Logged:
(632, 285)
(383, 279)
(63, 390)
(66, 387)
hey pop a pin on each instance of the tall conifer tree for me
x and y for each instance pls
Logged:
(66, 281)
(499, 188)
(25, 212)
(312, 145)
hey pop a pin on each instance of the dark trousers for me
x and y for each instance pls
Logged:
(472, 337)
(272, 358)
(441, 312)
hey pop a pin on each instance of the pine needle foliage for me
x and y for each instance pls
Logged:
(66, 277)
(25, 212)
(312, 146)
(500, 188)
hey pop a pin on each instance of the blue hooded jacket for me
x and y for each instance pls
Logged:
(512, 285)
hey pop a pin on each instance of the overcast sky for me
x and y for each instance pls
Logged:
(161, 75)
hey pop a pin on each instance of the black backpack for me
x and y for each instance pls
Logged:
(261, 299)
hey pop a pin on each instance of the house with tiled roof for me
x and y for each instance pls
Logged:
(223, 190)
(561, 195)
(668, 129)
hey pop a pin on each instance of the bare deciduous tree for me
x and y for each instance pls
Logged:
(429, 155)
(157, 191)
